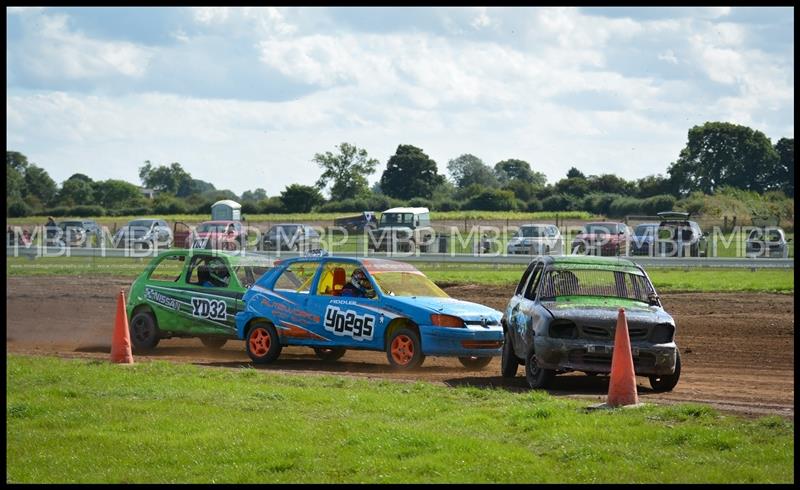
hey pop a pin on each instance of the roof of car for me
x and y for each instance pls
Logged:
(219, 222)
(233, 256)
(407, 210)
(588, 260)
(536, 225)
(371, 265)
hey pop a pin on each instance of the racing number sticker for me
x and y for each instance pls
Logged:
(209, 308)
(349, 323)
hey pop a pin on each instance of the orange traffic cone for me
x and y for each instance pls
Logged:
(121, 342)
(622, 387)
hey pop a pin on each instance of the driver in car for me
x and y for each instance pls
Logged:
(359, 286)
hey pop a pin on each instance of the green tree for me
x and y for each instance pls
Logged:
(784, 173)
(164, 178)
(610, 184)
(15, 183)
(192, 187)
(347, 170)
(82, 177)
(575, 186)
(115, 194)
(719, 154)
(511, 170)
(39, 184)
(653, 185)
(574, 173)
(468, 169)
(75, 191)
(256, 195)
(17, 161)
(410, 173)
(300, 198)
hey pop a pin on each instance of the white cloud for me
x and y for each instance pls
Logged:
(55, 52)
(668, 56)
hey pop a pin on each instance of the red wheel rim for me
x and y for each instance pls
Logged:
(402, 349)
(260, 341)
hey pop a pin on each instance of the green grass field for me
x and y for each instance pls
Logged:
(665, 280)
(82, 421)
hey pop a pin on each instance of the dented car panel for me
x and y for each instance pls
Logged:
(564, 312)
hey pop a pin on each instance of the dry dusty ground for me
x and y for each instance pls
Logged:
(737, 349)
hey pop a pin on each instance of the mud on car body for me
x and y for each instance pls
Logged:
(408, 316)
(563, 316)
(191, 293)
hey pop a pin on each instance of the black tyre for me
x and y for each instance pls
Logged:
(329, 353)
(214, 342)
(474, 362)
(404, 350)
(144, 331)
(667, 382)
(536, 376)
(508, 360)
(263, 344)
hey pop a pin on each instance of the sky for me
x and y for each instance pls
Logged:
(245, 97)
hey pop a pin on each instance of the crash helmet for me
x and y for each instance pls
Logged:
(360, 280)
(218, 272)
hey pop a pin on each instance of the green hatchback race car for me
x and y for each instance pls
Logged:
(191, 293)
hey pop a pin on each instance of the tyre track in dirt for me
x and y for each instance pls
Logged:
(737, 348)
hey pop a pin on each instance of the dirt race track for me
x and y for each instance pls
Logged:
(737, 349)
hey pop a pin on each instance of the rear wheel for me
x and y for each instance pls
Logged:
(508, 360)
(263, 345)
(475, 362)
(144, 332)
(214, 342)
(667, 383)
(404, 350)
(537, 376)
(329, 353)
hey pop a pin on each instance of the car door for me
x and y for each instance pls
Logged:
(288, 302)
(346, 321)
(521, 315)
(213, 295)
(515, 319)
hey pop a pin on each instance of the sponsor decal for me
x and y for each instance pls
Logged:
(156, 297)
(214, 309)
(349, 323)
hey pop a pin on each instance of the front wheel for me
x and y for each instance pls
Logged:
(537, 376)
(667, 382)
(405, 350)
(263, 345)
(214, 342)
(329, 353)
(144, 332)
(508, 360)
(475, 362)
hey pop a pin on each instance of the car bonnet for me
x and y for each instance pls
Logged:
(447, 306)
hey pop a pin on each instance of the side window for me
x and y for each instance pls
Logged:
(533, 282)
(297, 277)
(333, 277)
(524, 280)
(208, 271)
(169, 269)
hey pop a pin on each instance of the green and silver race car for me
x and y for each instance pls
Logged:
(191, 293)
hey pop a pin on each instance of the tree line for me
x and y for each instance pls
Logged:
(717, 156)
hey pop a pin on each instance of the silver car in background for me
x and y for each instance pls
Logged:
(768, 241)
(536, 239)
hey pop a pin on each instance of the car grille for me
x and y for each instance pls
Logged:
(635, 332)
(644, 360)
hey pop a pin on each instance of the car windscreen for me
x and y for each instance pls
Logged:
(645, 230)
(212, 228)
(287, 231)
(613, 283)
(772, 235)
(407, 284)
(397, 219)
(600, 228)
(140, 223)
(531, 232)
(249, 274)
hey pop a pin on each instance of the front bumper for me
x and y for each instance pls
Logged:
(473, 340)
(595, 356)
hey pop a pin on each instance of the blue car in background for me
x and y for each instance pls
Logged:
(644, 239)
(305, 301)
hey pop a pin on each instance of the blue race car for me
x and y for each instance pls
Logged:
(332, 304)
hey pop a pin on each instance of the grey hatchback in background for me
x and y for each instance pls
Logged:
(768, 241)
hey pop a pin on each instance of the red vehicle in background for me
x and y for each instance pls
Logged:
(219, 235)
(602, 238)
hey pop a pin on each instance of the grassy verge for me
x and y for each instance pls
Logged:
(665, 280)
(91, 421)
